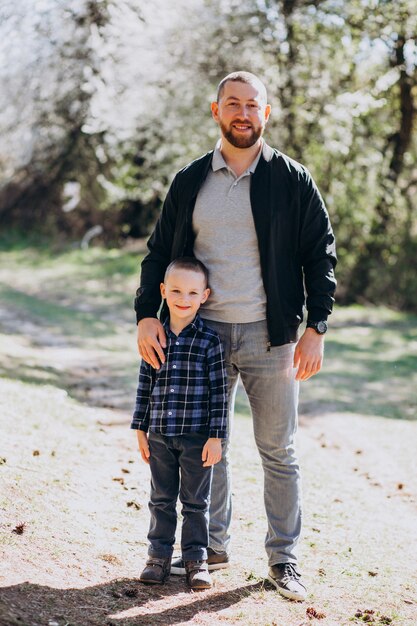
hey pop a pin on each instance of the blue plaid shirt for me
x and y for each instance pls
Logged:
(189, 391)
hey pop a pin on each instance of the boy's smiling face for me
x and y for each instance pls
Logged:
(184, 290)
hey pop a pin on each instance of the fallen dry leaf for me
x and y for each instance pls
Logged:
(19, 528)
(367, 615)
(35, 453)
(131, 593)
(373, 573)
(312, 612)
(134, 504)
(110, 558)
(400, 486)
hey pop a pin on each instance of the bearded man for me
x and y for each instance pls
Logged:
(256, 219)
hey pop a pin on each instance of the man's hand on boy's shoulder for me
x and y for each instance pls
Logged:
(143, 445)
(212, 452)
(151, 341)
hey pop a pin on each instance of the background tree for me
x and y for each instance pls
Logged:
(134, 109)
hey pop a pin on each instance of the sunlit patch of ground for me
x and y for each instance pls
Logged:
(73, 493)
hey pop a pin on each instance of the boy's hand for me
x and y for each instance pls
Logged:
(143, 445)
(212, 452)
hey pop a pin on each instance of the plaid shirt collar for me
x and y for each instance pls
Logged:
(196, 324)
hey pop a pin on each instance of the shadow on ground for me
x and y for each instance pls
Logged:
(118, 603)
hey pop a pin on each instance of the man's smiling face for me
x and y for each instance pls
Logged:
(241, 113)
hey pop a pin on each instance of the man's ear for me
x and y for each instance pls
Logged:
(267, 112)
(215, 111)
(205, 295)
(162, 288)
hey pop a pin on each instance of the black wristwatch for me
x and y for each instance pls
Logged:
(319, 327)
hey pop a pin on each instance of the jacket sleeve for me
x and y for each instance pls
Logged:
(317, 251)
(148, 297)
(217, 390)
(141, 414)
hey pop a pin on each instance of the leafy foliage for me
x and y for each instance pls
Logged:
(126, 105)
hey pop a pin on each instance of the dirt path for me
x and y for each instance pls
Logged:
(72, 482)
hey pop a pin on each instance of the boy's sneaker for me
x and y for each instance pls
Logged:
(156, 571)
(198, 577)
(215, 560)
(286, 578)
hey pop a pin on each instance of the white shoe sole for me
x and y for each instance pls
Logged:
(291, 595)
(180, 571)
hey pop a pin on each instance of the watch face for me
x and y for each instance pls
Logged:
(321, 327)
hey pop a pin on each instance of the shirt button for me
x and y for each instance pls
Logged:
(171, 390)
(174, 367)
(169, 412)
(177, 343)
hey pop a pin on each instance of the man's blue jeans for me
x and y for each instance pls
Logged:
(170, 457)
(268, 377)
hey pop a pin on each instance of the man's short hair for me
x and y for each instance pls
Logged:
(243, 77)
(188, 263)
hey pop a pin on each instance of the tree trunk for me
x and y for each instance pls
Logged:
(370, 256)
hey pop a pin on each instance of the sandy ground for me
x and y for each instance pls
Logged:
(73, 505)
(72, 476)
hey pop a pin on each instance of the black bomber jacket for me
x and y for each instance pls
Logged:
(296, 242)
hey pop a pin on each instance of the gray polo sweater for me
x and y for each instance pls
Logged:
(226, 243)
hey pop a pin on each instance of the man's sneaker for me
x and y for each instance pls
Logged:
(286, 579)
(198, 577)
(215, 560)
(156, 571)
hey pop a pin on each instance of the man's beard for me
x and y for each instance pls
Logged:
(239, 141)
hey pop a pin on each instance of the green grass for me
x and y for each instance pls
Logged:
(85, 297)
(370, 365)
(63, 318)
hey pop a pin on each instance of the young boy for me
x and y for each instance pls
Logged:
(183, 405)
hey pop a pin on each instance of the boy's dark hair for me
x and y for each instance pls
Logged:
(188, 263)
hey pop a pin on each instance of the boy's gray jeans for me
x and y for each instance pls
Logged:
(269, 380)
